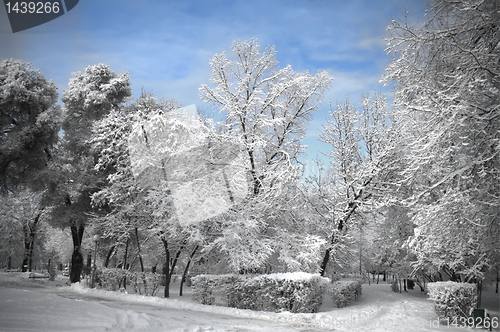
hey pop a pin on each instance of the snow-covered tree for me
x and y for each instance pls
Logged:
(124, 208)
(91, 95)
(266, 107)
(360, 156)
(197, 165)
(386, 248)
(57, 244)
(266, 111)
(29, 122)
(446, 73)
(165, 177)
(22, 217)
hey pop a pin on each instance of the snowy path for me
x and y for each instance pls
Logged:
(35, 310)
(380, 309)
(27, 305)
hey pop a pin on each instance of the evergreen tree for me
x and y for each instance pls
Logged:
(91, 95)
(29, 123)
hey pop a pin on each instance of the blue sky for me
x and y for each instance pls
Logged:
(166, 45)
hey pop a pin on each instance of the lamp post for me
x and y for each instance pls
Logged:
(96, 239)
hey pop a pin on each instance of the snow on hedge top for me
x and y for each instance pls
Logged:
(293, 276)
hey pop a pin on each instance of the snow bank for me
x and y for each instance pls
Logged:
(29, 306)
(303, 320)
(379, 309)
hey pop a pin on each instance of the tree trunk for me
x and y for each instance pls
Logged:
(421, 284)
(351, 208)
(228, 187)
(169, 268)
(124, 266)
(108, 256)
(88, 269)
(184, 274)
(76, 258)
(333, 240)
(479, 292)
(139, 249)
(166, 269)
(324, 263)
(125, 256)
(28, 250)
(29, 242)
(174, 262)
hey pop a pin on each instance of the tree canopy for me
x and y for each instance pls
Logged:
(411, 187)
(447, 78)
(29, 122)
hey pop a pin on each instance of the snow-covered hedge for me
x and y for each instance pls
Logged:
(294, 292)
(142, 282)
(111, 279)
(344, 292)
(213, 289)
(452, 299)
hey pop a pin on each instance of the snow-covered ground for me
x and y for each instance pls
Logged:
(40, 305)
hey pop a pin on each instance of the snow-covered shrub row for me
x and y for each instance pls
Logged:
(142, 282)
(207, 287)
(452, 299)
(294, 292)
(344, 292)
(111, 279)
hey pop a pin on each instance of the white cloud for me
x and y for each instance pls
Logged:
(373, 42)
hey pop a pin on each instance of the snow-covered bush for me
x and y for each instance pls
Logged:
(202, 286)
(344, 292)
(214, 289)
(294, 292)
(244, 294)
(143, 282)
(452, 299)
(111, 279)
